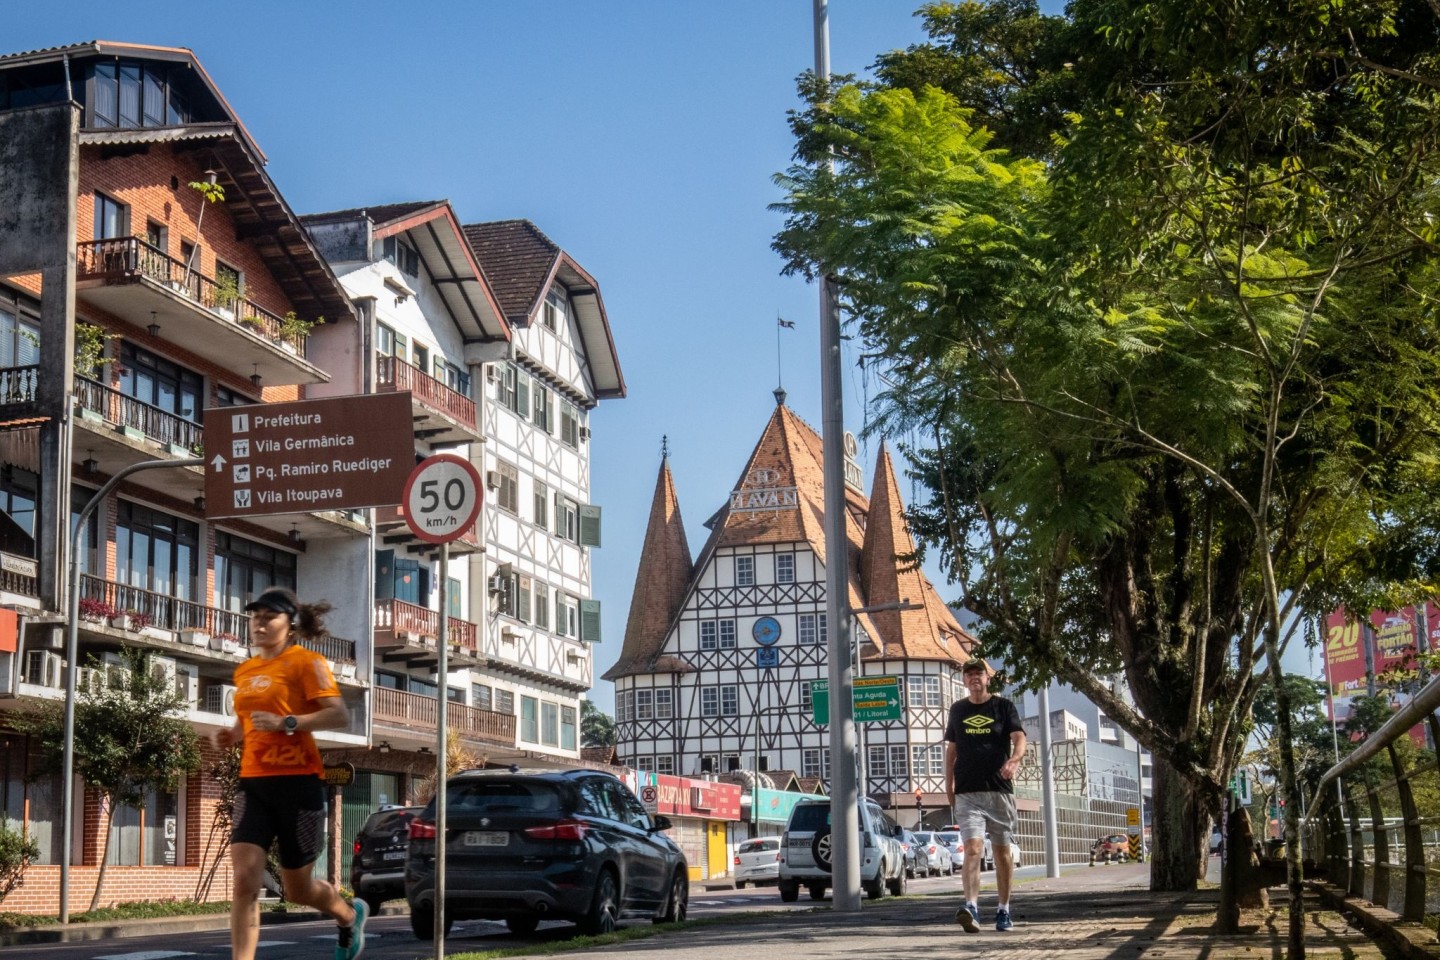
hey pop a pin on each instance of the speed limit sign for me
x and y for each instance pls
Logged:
(442, 498)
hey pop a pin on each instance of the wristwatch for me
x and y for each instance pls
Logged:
(290, 724)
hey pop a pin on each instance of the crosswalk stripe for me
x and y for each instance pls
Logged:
(146, 955)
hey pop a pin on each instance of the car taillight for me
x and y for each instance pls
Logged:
(421, 831)
(357, 848)
(737, 861)
(562, 830)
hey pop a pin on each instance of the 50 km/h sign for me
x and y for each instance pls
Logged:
(873, 699)
(442, 498)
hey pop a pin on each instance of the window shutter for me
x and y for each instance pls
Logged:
(589, 525)
(522, 395)
(590, 621)
(384, 574)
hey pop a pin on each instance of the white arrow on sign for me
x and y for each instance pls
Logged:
(219, 462)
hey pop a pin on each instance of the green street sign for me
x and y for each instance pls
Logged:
(873, 699)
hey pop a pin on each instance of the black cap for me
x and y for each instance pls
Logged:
(273, 600)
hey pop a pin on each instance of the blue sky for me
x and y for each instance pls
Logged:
(640, 135)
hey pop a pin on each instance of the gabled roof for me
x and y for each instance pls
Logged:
(889, 575)
(523, 264)
(660, 582)
(431, 227)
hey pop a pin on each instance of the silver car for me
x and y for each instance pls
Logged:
(806, 852)
(937, 855)
(757, 861)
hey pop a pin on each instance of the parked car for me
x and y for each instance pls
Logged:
(529, 845)
(987, 858)
(757, 861)
(954, 846)
(937, 856)
(1114, 846)
(1217, 839)
(806, 850)
(377, 869)
(916, 862)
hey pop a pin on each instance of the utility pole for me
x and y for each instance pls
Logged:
(1047, 789)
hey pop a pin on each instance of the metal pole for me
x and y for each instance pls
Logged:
(1047, 789)
(442, 677)
(1140, 789)
(844, 800)
(72, 653)
(1334, 732)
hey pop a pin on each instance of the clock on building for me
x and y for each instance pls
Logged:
(766, 631)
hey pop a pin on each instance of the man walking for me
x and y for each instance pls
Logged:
(984, 743)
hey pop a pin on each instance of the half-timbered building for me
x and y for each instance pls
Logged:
(720, 653)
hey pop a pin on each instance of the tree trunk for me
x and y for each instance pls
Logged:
(107, 813)
(1242, 885)
(1180, 819)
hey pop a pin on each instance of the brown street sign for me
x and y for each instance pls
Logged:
(335, 453)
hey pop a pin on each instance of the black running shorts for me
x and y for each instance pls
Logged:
(290, 809)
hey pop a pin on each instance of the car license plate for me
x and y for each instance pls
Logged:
(394, 855)
(487, 838)
(800, 842)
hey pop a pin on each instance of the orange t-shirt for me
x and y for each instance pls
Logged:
(289, 683)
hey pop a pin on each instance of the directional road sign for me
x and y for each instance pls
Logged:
(336, 453)
(873, 699)
(442, 498)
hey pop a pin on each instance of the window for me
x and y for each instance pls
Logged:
(812, 628)
(553, 313)
(805, 700)
(567, 518)
(644, 704)
(569, 424)
(920, 760)
(529, 720)
(567, 615)
(505, 386)
(567, 728)
(159, 383)
(505, 702)
(523, 590)
(400, 253)
(664, 704)
(899, 761)
(731, 762)
(542, 605)
(727, 634)
(452, 376)
(127, 93)
(914, 691)
(542, 505)
(507, 496)
(809, 763)
(729, 700)
(388, 343)
(709, 701)
(543, 407)
(244, 568)
(744, 571)
(157, 236)
(622, 706)
(112, 218)
(645, 764)
(229, 285)
(707, 635)
(707, 764)
(157, 552)
(550, 724)
(19, 337)
(879, 768)
(19, 494)
(784, 568)
(482, 696)
(665, 765)
(932, 692)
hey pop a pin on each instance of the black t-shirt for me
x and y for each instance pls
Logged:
(981, 734)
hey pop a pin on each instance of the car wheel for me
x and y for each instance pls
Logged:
(739, 884)
(875, 889)
(789, 891)
(374, 903)
(897, 886)
(522, 925)
(677, 906)
(817, 891)
(820, 849)
(604, 908)
(422, 922)
(910, 871)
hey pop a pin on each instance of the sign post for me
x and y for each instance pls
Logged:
(442, 500)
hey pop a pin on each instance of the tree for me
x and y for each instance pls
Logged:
(1175, 386)
(597, 728)
(17, 851)
(131, 737)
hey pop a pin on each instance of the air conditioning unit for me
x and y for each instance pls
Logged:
(44, 668)
(117, 672)
(492, 479)
(90, 680)
(163, 670)
(584, 433)
(496, 583)
(347, 671)
(492, 372)
(220, 699)
(187, 684)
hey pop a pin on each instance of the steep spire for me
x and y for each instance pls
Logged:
(660, 582)
(930, 631)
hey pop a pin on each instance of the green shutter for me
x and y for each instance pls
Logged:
(589, 525)
(522, 395)
(590, 621)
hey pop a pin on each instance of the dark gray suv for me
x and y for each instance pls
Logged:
(529, 845)
(377, 869)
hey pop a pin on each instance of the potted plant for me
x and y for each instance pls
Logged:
(293, 330)
(226, 643)
(227, 294)
(195, 636)
(95, 610)
(133, 620)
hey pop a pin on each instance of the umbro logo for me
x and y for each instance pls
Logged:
(977, 722)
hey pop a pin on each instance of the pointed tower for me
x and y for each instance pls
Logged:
(929, 632)
(660, 582)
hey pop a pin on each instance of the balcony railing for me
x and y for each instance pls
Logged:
(131, 257)
(411, 710)
(17, 384)
(397, 616)
(393, 375)
(156, 424)
(390, 516)
(331, 648)
(18, 575)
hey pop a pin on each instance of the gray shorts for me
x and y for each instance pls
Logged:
(986, 811)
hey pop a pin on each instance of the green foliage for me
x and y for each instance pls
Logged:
(90, 349)
(135, 910)
(597, 728)
(17, 851)
(294, 328)
(212, 192)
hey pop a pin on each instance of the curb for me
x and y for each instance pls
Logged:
(154, 926)
(1414, 940)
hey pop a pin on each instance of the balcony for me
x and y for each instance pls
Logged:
(393, 531)
(115, 430)
(127, 277)
(443, 417)
(189, 621)
(411, 712)
(17, 395)
(411, 633)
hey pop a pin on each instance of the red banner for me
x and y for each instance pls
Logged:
(1392, 639)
